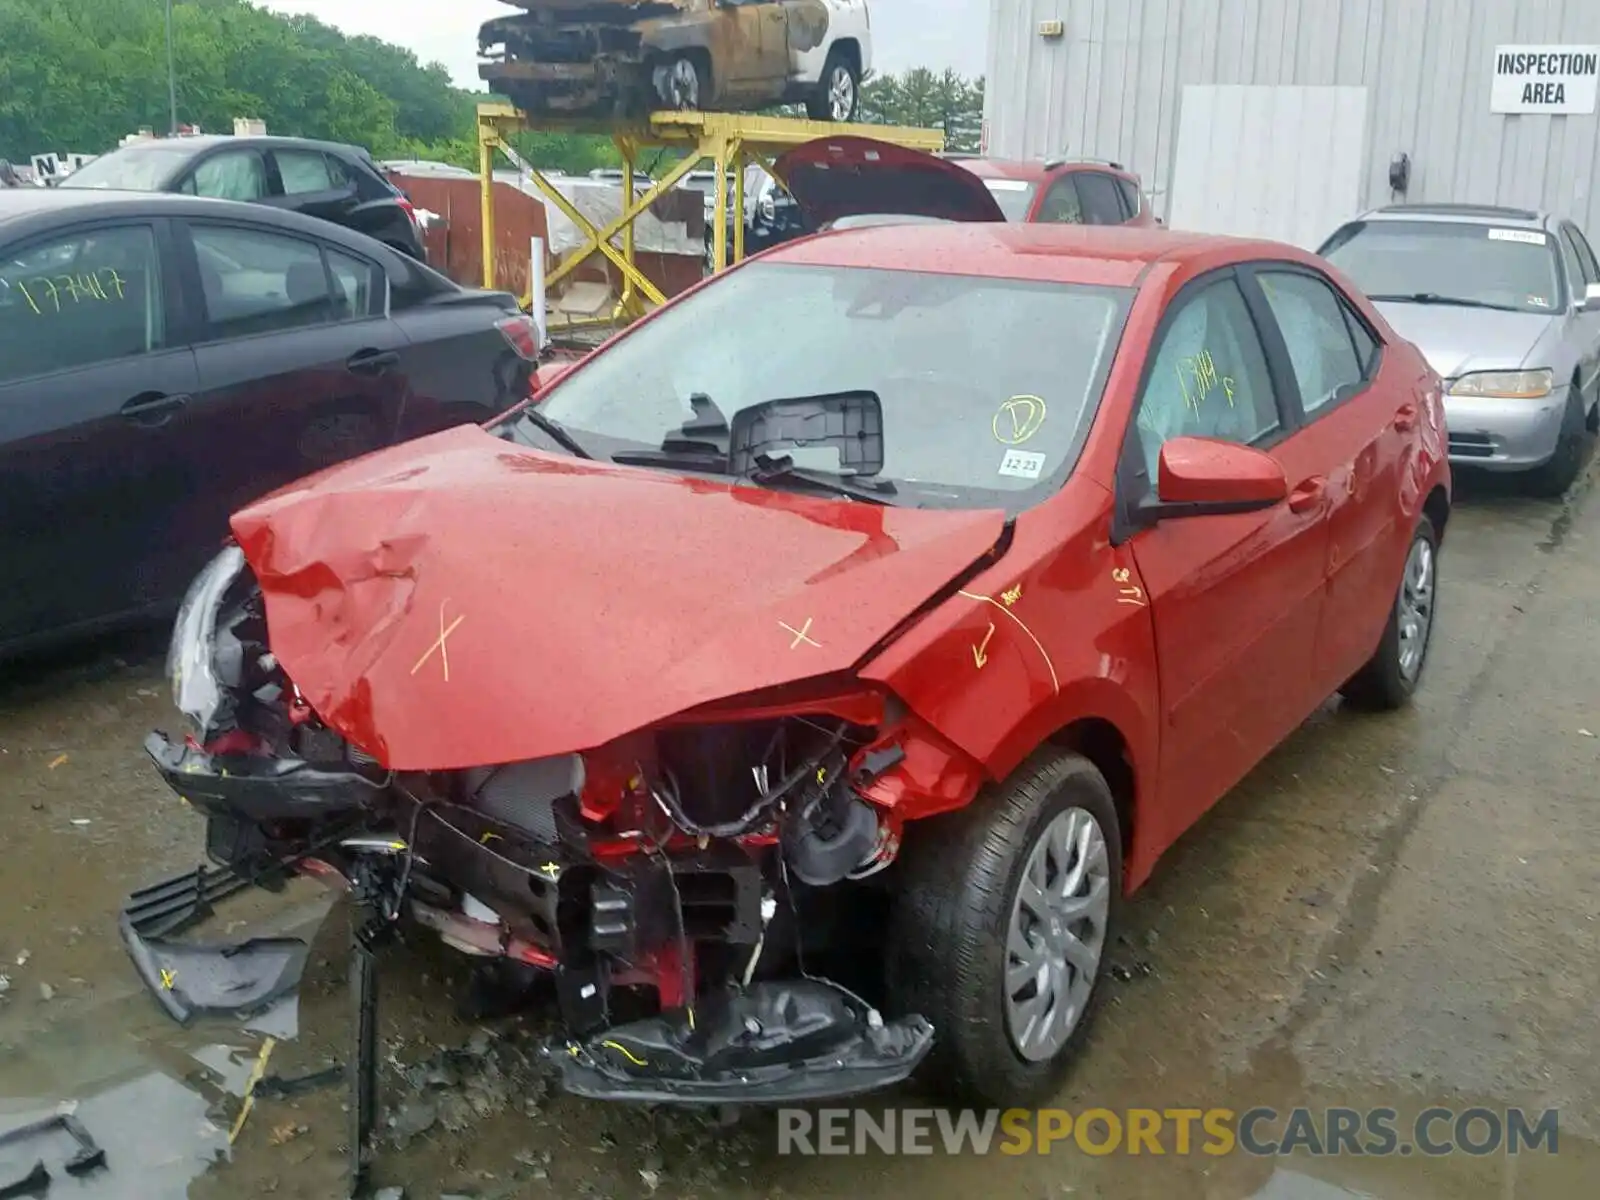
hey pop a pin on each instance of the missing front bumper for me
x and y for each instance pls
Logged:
(784, 1042)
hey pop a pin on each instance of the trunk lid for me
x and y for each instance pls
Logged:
(851, 176)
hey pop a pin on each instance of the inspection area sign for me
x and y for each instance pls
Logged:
(1545, 79)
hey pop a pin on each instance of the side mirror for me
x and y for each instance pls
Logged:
(1202, 477)
(1591, 298)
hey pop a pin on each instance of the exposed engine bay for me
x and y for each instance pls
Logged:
(682, 885)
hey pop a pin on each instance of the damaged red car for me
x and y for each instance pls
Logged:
(803, 697)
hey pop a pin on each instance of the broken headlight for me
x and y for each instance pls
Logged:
(191, 664)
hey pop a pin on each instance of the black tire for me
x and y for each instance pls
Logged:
(1552, 479)
(959, 877)
(1382, 684)
(838, 68)
(682, 83)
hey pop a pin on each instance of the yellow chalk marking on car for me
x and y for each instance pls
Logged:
(980, 652)
(551, 869)
(625, 1052)
(439, 645)
(490, 837)
(1012, 595)
(168, 979)
(1055, 680)
(1018, 419)
(801, 635)
(1130, 592)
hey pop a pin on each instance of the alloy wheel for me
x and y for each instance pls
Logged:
(1057, 934)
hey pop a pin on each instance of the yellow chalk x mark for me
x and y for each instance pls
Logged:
(551, 869)
(439, 646)
(168, 979)
(802, 636)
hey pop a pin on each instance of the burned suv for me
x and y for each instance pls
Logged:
(620, 58)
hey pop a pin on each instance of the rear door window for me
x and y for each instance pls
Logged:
(1061, 204)
(360, 287)
(84, 298)
(1327, 363)
(1130, 197)
(305, 171)
(231, 175)
(254, 281)
(1102, 202)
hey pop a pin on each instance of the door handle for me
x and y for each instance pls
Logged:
(153, 408)
(1307, 495)
(1405, 418)
(372, 362)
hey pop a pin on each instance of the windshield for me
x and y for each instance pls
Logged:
(1014, 196)
(138, 169)
(987, 386)
(1445, 261)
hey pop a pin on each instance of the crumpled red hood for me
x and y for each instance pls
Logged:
(462, 601)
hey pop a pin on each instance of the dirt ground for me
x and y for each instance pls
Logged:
(1395, 910)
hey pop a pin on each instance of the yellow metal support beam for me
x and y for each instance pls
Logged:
(729, 141)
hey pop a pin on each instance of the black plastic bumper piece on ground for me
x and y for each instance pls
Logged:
(191, 980)
(786, 1042)
(181, 902)
(258, 789)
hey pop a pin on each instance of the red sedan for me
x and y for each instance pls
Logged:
(1065, 191)
(907, 626)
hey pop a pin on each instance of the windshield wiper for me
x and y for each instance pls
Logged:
(1436, 298)
(555, 431)
(856, 487)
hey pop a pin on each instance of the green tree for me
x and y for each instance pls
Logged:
(925, 99)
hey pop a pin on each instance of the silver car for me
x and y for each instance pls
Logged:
(1505, 305)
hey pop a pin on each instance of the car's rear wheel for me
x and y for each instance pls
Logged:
(1556, 476)
(1390, 677)
(838, 94)
(1002, 920)
(682, 82)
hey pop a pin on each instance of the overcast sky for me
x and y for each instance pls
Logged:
(908, 33)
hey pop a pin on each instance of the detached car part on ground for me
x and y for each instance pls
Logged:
(705, 704)
(624, 58)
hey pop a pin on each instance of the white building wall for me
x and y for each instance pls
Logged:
(1112, 86)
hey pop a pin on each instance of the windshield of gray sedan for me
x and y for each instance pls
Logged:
(1450, 261)
(986, 386)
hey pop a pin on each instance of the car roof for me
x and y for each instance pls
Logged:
(1466, 214)
(201, 142)
(1036, 170)
(25, 211)
(1105, 255)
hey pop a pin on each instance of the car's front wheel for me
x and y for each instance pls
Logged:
(838, 94)
(1003, 917)
(1552, 479)
(1391, 675)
